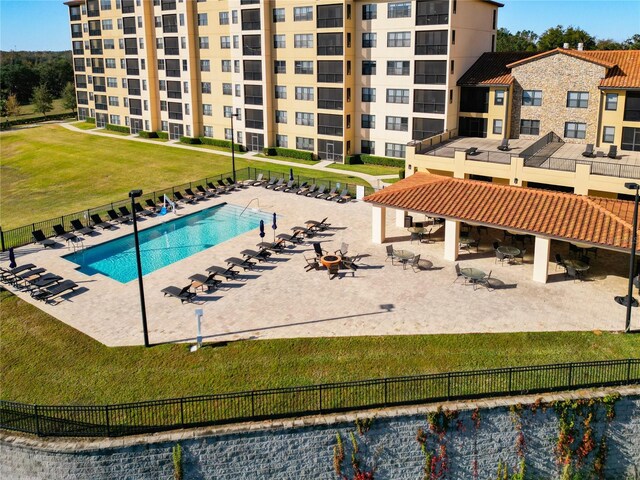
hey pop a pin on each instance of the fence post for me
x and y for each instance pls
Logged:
(106, 415)
(35, 412)
(320, 397)
(448, 385)
(253, 406)
(570, 374)
(628, 370)
(2, 239)
(510, 374)
(182, 411)
(386, 385)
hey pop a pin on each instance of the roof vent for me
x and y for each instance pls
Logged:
(565, 46)
(581, 46)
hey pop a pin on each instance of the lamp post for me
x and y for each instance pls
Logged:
(133, 194)
(629, 301)
(233, 156)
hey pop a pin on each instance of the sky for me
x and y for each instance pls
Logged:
(44, 24)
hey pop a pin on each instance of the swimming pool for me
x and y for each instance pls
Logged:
(169, 242)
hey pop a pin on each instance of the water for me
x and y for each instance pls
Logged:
(168, 242)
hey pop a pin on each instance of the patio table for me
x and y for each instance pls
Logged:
(418, 233)
(509, 251)
(577, 265)
(473, 274)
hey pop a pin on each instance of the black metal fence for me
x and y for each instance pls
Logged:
(21, 236)
(154, 416)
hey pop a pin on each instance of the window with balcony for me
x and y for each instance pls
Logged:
(630, 138)
(577, 99)
(330, 44)
(81, 81)
(399, 10)
(251, 19)
(96, 47)
(94, 28)
(432, 12)
(129, 25)
(251, 45)
(74, 14)
(330, 98)
(329, 16)
(395, 150)
(330, 71)
(171, 46)
(78, 64)
(130, 46)
(432, 72)
(133, 87)
(330, 124)
(369, 11)
(432, 43)
(253, 119)
(170, 23)
(76, 30)
(93, 10)
(97, 65)
(426, 127)
(132, 66)
(398, 39)
(174, 89)
(78, 48)
(253, 70)
(253, 94)
(367, 147)
(175, 110)
(303, 40)
(529, 127)
(429, 101)
(83, 98)
(172, 67)
(168, 4)
(532, 98)
(396, 67)
(302, 14)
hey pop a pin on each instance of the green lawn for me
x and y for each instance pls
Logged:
(289, 159)
(49, 171)
(28, 111)
(84, 125)
(45, 361)
(370, 169)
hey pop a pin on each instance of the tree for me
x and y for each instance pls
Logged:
(42, 100)
(608, 44)
(556, 37)
(521, 41)
(69, 97)
(19, 79)
(12, 106)
(632, 43)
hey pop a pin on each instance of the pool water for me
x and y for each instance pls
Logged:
(169, 242)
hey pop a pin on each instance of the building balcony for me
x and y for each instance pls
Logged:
(134, 91)
(75, 18)
(96, 51)
(101, 106)
(174, 94)
(93, 13)
(133, 71)
(175, 116)
(76, 34)
(95, 33)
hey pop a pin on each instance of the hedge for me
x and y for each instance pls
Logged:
(90, 120)
(117, 128)
(287, 152)
(352, 160)
(221, 143)
(163, 135)
(144, 134)
(390, 162)
(26, 121)
(190, 140)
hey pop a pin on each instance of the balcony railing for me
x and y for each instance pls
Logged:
(101, 106)
(170, 28)
(330, 77)
(135, 111)
(334, 131)
(81, 85)
(76, 34)
(329, 22)
(431, 49)
(97, 69)
(256, 124)
(174, 94)
(134, 91)
(172, 73)
(330, 104)
(128, 9)
(168, 6)
(99, 88)
(171, 51)
(436, 19)
(330, 50)
(129, 30)
(95, 33)
(252, 75)
(96, 51)
(83, 101)
(78, 51)
(175, 115)
(251, 100)
(133, 71)
(93, 13)
(75, 18)
(250, 25)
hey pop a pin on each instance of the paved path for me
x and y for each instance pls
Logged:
(373, 180)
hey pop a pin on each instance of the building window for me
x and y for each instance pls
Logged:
(234, 17)
(303, 118)
(208, 131)
(532, 98)
(369, 40)
(303, 40)
(608, 134)
(304, 67)
(304, 143)
(368, 94)
(368, 121)
(207, 109)
(368, 146)
(113, 101)
(203, 42)
(226, 65)
(370, 11)
(114, 119)
(205, 65)
(632, 107)
(304, 93)
(280, 66)
(239, 90)
(282, 141)
(224, 18)
(612, 101)
(499, 97)
(395, 67)
(109, 44)
(575, 130)
(281, 91)
(202, 20)
(227, 89)
(399, 39)
(225, 42)
(281, 116)
(301, 14)
(107, 24)
(429, 101)
(530, 127)
(399, 10)
(206, 87)
(397, 123)
(227, 111)
(368, 67)
(110, 62)
(278, 15)
(236, 41)
(279, 41)
(396, 150)
(228, 135)
(577, 99)
(396, 95)
(497, 127)
(236, 66)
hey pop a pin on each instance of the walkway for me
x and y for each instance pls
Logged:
(373, 180)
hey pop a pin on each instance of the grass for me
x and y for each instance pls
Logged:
(289, 159)
(28, 111)
(370, 169)
(216, 148)
(84, 171)
(84, 125)
(43, 360)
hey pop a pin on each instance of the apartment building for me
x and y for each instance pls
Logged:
(332, 77)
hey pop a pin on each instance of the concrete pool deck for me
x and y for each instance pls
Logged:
(281, 300)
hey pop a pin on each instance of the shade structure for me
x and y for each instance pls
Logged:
(12, 258)
(261, 228)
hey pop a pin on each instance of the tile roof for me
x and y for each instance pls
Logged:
(623, 66)
(491, 68)
(593, 220)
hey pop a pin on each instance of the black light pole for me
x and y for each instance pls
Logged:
(233, 156)
(135, 194)
(629, 301)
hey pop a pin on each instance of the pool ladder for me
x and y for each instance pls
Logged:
(247, 206)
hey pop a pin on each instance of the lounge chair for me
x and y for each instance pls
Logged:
(319, 251)
(140, 210)
(205, 192)
(322, 196)
(39, 237)
(47, 293)
(245, 264)
(152, 206)
(293, 239)
(613, 152)
(114, 217)
(226, 187)
(234, 184)
(312, 264)
(196, 196)
(588, 152)
(62, 233)
(318, 225)
(289, 185)
(274, 182)
(9, 276)
(344, 197)
(307, 189)
(318, 192)
(216, 189)
(335, 195)
(343, 250)
(200, 281)
(80, 228)
(302, 186)
(32, 274)
(302, 231)
(471, 151)
(182, 293)
(504, 145)
(124, 211)
(97, 222)
(182, 199)
(258, 181)
(46, 280)
(262, 255)
(350, 264)
(276, 247)
(227, 273)
(230, 184)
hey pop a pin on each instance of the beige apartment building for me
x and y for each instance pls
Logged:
(332, 77)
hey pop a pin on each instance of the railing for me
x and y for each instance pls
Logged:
(608, 169)
(425, 145)
(161, 415)
(539, 144)
(21, 236)
(502, 158)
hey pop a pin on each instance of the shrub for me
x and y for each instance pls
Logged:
(352, 160)
(268, 151)
(290, 153)
(117, 128)
(163, 135)
(90, 120)
(390, 162)
(222, 143)
(26, 121)
(401, 173)
(143, 134)
(190, 140)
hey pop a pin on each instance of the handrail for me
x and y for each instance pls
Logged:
(247, 206)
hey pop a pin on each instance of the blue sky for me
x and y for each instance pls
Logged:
(43, 24)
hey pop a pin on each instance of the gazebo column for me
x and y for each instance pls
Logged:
(400, 214)
(378, 224)
(451, 239)
(541, 259)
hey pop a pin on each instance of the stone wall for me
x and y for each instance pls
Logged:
(556, 75)
(469, 444)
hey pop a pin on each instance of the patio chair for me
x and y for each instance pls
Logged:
(198, 197)
(344, 197)
(318, 250)
(179, 198)
(471, 151)
(80, 228)
(588, 152)
(571, 272)
(216, 189)
(245, 264)
(124, 211)
(234, 184)
(205, 192)
(97, 222)
(227, 273)
(40, 239)
(230, 184)
(318, 192)
(559, 261)
(259, 180)
(336, 195)
(274, 182)
(182, 293)
(293, 239)
(521, 255)
(504, 145)
(151, 206)
(322, 196)
(284, 186)
(310, 189)
(114, 217)
(224, 186)
(276, 247)
(390, 254)
(333, 270)
(304, 187)
(312, 264)
(62, 233)
(459, 274)
(48, 293)
(500, 257)
(484, 282)
(27, 276)
(318, 225)
(46, 280)
(140, 210)
(495, 245)
(261, 256)
(293, 188)
(343, 250)
(9, 275)
(202, 281)
(613, 152)
(414, 263)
